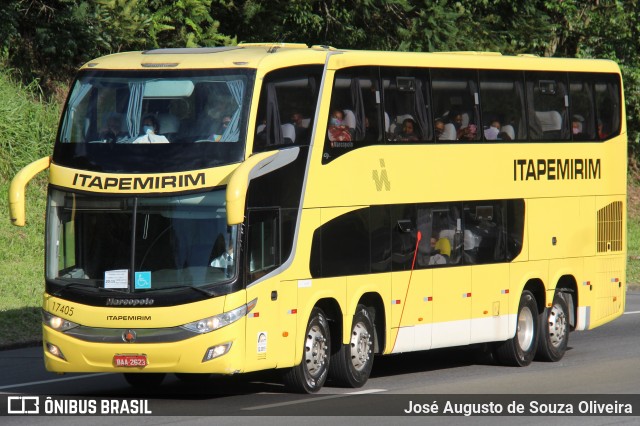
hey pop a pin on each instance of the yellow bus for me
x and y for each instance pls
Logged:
(277, 206)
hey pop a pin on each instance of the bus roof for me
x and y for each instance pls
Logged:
(278, 55)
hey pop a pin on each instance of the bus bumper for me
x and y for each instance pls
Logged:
(193, 355)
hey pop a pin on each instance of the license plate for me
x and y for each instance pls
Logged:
(130, 360)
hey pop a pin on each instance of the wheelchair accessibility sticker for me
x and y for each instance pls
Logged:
(143, 279)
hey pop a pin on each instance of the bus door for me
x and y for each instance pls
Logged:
(263, 256)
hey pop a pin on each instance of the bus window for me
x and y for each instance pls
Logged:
(548, 101)
(607, 95)
(406, 100)
(503, 105)
(342, 246)
(485, 233)
(354, 114)
(287, 107)
(106, 108)
(263, 242)
(455, 103)
(583, 124)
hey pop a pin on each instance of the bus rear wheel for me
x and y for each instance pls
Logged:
(144, 380)
(351, 365)
(554, 331)
(520, 350)
(310, 375)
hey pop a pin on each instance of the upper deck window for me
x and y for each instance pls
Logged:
(143, 121)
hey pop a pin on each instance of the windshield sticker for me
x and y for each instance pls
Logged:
(118, 278)
(262, 342)
(143, 280)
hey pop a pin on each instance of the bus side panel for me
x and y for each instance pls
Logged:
(490, 303)
(609, 290)
(559, 228)
(610, 261)
(411, 311)
(287, 329)
(262, 332)
(452, 306)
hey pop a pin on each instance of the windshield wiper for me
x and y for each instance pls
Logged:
(84, 285)
(180, 287)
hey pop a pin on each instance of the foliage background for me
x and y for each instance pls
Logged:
(43, 42)
(46, 40)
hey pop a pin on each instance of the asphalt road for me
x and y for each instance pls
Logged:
(599, 362)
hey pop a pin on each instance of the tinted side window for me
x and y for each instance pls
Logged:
(548, 101)
(406, 104)
(380, 221)
(485, 232)
(515, 227)
(583, 122)
(607, 93)
(456, 103)
(503, 105)
(342, 246)
(286, 107)
(354, 115)
(263, 251)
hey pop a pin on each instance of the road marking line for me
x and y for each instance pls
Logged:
(320, 398)
(41, 382)
(631, 312)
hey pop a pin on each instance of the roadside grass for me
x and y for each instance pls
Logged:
(633, 228)
(633, 253)
(27, 131)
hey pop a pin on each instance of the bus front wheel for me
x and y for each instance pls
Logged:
(309, 376)
(520, 350)
(351, 365)
(554, 331)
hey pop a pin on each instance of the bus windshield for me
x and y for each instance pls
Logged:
(133, 244)
(143, 121)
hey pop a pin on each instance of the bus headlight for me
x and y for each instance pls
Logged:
(207, 325)
(57, 323)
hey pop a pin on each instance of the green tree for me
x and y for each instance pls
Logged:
(356, 24)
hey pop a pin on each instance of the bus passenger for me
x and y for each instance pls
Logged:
(468, 133)
(408, 133)
(113, 131)
(492, 132)
(601, 133)
(440, 250)
(151, 127)
(438, 125)
(338, 131)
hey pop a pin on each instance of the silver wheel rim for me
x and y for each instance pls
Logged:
(360, 346)
(525, 328)
(557, 325)
(315, 351)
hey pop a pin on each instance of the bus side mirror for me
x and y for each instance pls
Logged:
(17, 189)
(239, 185)
(253, 167)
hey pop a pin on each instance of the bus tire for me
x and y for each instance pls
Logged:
(520, 350)
(351, 365)
(554, 331)
(310, 375)
(144, 380)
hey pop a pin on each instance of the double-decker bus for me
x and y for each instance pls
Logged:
(277, 206)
